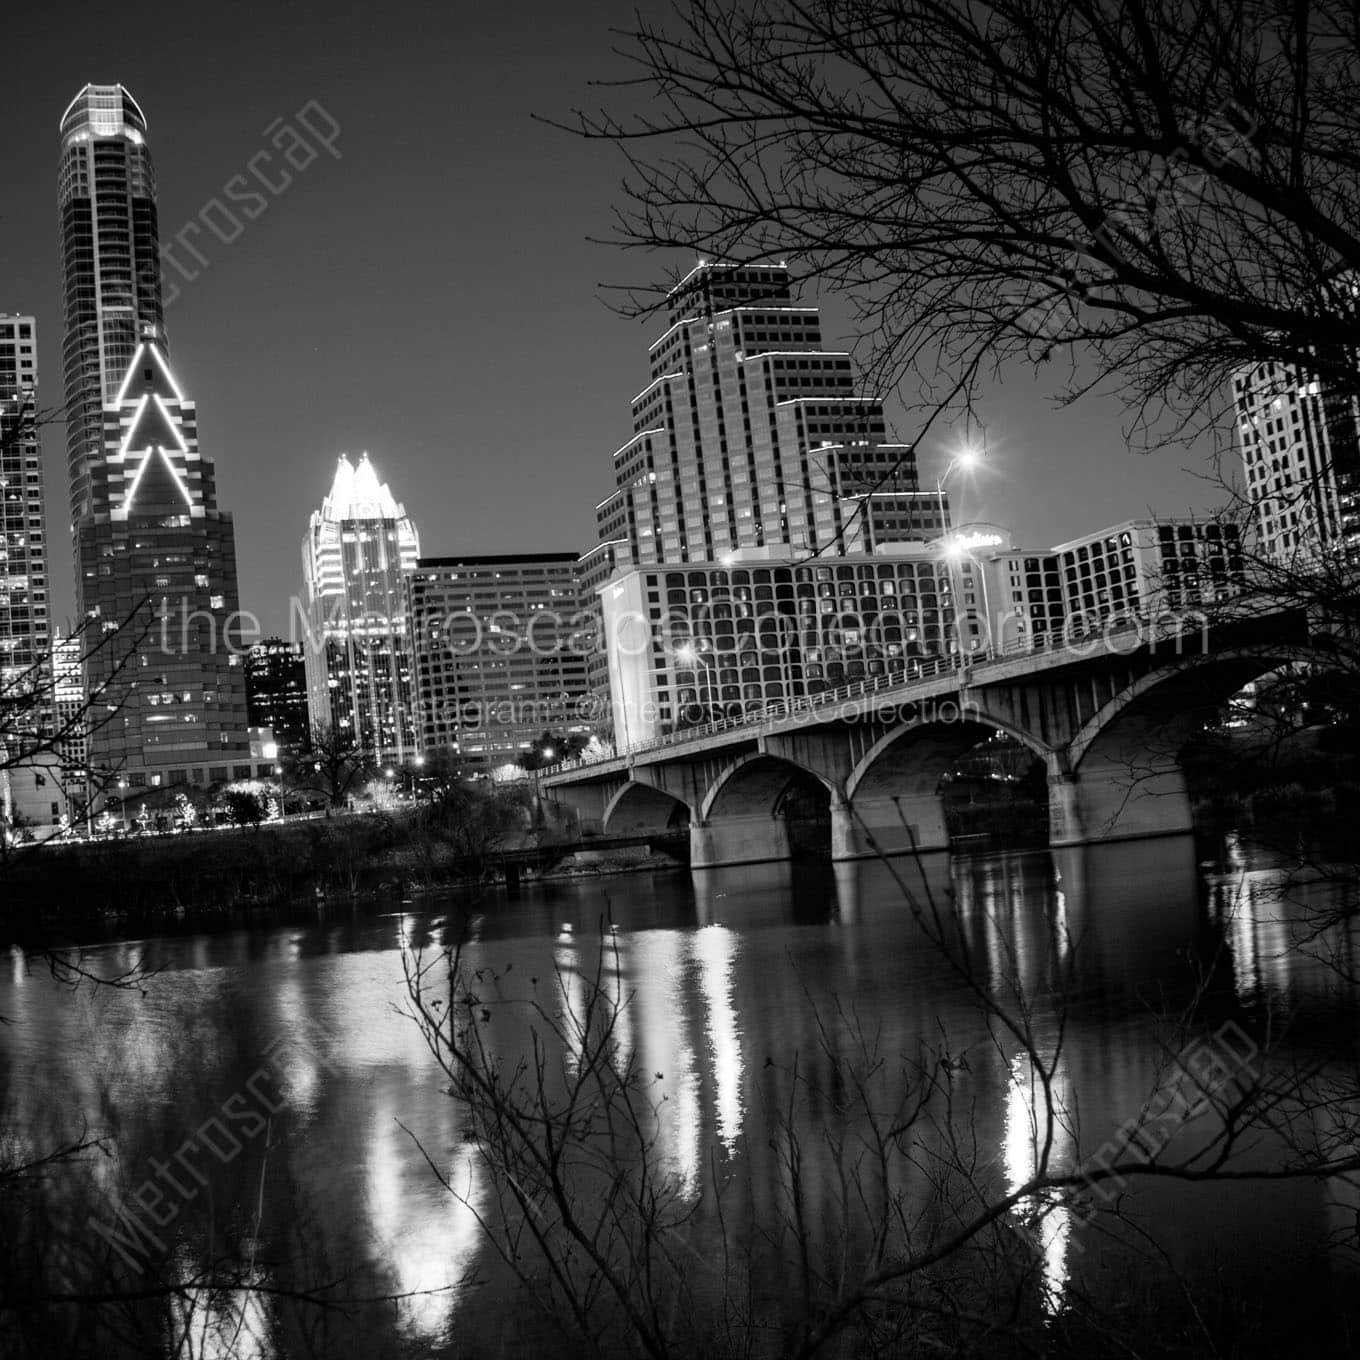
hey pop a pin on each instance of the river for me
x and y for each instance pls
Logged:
(268, 1101)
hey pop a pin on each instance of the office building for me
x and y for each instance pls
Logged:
(276, 694)
(24, 618)
(157, 584)
(1300, 446)
(359, 548)
(502, 646)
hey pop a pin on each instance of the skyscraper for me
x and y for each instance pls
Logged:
(751, 445)
(751, 435)
(23, 536)
(1300, 448)
(110, 257)
(157, 580)
(359, 548)
(168, 701)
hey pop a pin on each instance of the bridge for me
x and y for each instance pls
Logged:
(1108, 716)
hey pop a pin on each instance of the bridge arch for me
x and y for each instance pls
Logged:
(1124, 776)
(893, 803)
(755, 783)
(914, 756)
(1182, 690)
(642, 807)
(739, 817)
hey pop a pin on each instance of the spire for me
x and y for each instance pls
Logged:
(356, 493)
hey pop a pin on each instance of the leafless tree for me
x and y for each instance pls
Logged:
(890, 1230)
(335, 766)
(1162, 193)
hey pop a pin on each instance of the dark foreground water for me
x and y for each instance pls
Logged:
(265, 1108)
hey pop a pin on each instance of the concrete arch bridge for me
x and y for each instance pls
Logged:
(1109, 723)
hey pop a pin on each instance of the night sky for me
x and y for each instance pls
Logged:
(431, 296)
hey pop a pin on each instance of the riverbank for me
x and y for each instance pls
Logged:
(223, 870)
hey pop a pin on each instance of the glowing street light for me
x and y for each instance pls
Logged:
(969, 458)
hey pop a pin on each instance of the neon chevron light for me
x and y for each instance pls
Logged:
(172, 422)
(137, 363)
(137, 480)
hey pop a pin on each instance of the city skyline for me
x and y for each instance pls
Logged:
(447, 374)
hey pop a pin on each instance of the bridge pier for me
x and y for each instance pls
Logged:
(1118, 804)
(895, 825)
(750, 838)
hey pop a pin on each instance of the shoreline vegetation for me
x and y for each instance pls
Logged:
(226, 874)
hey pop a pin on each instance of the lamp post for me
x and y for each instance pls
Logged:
(955, 552)
(967, 459)
(122, 803)
(690, 656)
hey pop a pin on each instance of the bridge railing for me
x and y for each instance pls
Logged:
(915, 672)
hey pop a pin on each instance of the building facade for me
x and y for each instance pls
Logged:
(692, 642)
(276, 694)
(68, 695)
(1146, 568)
(157, 581)
(359, 548)
(24, 604)
(502, 648)
(1300, 447)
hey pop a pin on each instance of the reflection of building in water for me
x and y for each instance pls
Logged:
(1003, 905)
(1039, 1122)
(427, 1241)
(1272, 916)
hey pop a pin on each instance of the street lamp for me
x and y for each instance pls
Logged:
(954, 553)
(967, 459)
(690, 656)
(122, 803)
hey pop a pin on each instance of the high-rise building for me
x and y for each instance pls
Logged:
(276, 693)
(110, 257)
(1300, 446)
(157, 582)
(501, 650)
(23, 536)
(751, 444)
(359, 548)
(752, 435)
(167, 702)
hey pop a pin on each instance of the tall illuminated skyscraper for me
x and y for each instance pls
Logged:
(359, 549)
(110, 263)
(167, 697)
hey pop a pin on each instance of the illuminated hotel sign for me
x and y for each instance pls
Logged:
(967, 541)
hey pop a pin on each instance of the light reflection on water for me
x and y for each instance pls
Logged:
(720, 970)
